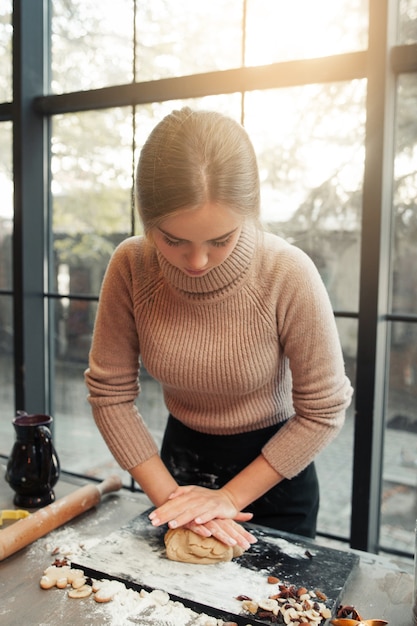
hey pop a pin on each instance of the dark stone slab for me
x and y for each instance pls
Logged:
(135, 555)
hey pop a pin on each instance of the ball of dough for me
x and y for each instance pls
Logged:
(186, 546)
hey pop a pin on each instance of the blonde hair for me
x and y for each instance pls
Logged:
(194, 157)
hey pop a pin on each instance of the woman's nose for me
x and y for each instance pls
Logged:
(197, 258)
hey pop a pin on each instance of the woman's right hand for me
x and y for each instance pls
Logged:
(227, 531)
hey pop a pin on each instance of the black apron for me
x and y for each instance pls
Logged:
(195, 458)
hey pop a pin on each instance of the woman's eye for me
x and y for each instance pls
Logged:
(217, 243)
(221, 243)
(172, 242)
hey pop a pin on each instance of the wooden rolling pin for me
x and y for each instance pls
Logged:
(38, 524)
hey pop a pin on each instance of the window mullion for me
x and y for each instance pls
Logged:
(29, 205)
(373, 304)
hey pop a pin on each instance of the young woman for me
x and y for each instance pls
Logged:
(236, 325)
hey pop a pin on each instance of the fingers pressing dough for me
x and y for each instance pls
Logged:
(186, 546)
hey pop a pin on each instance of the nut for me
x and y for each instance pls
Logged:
(250, 606)
(290, 606)
(273, 580)
(269, 605)
(321, 595)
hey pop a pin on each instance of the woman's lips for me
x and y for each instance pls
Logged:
(195, 272)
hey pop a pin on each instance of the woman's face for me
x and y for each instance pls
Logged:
(197, 240)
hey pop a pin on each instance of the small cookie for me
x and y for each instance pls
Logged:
(47, 582)
(55, 576)
(102, 597)
(60, 577)
(80, 592)
(61, 582)
(105, 590)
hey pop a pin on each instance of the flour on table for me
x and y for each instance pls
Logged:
(155, 608)
(67, 542)
(61, 543)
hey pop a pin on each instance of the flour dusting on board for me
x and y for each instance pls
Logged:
(291, 549)
(139, 559)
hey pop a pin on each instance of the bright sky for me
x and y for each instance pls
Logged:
(279, 30)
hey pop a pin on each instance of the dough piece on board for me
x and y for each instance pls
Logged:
(186, 546)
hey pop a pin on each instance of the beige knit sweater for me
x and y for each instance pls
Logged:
(250, 344)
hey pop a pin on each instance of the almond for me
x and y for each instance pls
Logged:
(301, 591)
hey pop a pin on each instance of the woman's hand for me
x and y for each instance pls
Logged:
(227, 531)
(194, 504)
(208, 512)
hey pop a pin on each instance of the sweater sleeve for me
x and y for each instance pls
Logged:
(320, 389)
(112, 375)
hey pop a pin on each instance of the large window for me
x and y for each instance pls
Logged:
(328, 96)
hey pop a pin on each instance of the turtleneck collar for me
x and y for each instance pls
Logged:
(221, 280)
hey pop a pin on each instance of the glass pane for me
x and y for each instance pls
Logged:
(79, 445)
(334, 464)
(92, 195)
(310, 146)
(6, 206)
(404, 297)
(278, 30)
(6, 33)
(7, 409)
(407, 32)
(92, 44)
(73, 327)
(399, 503)
(194, 37)
(400, 452)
